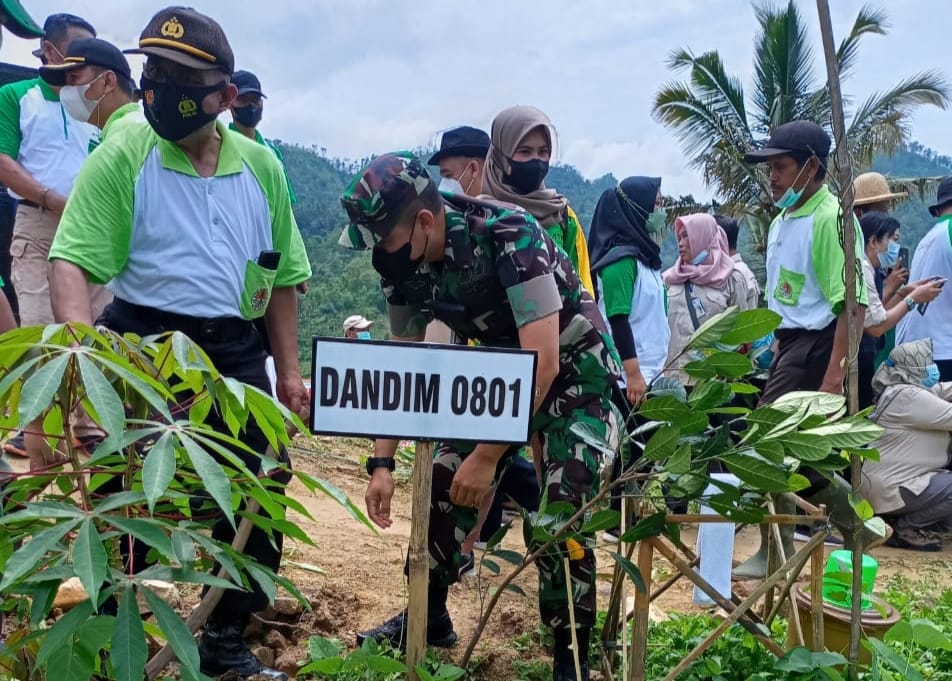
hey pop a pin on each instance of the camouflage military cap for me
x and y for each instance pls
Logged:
(377, 196)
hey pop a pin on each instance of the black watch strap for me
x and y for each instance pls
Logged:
(380, 462)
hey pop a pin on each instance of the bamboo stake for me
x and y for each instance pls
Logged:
(844, 168)
(816, 598)
(746, 605)
(639, 624)
(778, 541)
(744, 617)
(624, 591)
(571, 602)
(419, 558)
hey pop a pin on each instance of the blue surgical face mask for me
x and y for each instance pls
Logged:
(932, 376)
(655, 222)
(889, 257)
(363, 335)
(699, 258)
(792, 196)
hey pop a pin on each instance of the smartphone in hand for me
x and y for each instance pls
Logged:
(940, 282)
(903, 259)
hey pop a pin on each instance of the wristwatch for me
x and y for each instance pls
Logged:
(380, 462)
(910, 303)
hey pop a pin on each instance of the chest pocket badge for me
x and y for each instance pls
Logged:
(789, 287)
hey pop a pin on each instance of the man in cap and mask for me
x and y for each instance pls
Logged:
(461, 158)
(246, 113)
(458, 248)
(183, 220)
(41, 150)
(806, 287)
(933, 258)
(96, 85)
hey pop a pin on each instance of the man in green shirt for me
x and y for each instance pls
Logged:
(246, 113)
(96, 85)
(183, 219)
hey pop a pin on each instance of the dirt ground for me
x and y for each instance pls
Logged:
(364, 571)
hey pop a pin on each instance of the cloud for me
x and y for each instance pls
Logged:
(367, 76)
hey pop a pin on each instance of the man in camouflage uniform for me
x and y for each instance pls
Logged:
(489, 272)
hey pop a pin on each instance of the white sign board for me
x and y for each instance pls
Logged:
(421, 391)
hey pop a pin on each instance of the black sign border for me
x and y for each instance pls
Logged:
(439, 346)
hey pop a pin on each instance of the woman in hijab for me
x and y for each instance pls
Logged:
(627, 261)
(515, 170)
(702, 283)
(881, 235)
(911, 483)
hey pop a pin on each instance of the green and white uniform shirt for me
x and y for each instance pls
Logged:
(276, 150)
(143, 221)
(806, 268)
(36, 131)
(127, 114)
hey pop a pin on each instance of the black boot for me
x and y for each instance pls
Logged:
(563, 659)
(439, 626)
(223, 649)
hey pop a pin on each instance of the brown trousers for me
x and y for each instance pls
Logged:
(29, 268)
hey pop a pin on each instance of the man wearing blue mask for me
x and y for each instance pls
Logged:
(357, 327)
(806, 287)
(461, 158)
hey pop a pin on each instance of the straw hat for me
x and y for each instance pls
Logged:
(873, 188)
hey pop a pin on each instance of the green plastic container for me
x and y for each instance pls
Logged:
(838, 577)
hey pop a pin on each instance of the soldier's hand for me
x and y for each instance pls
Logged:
(473, 480)
(378, 496)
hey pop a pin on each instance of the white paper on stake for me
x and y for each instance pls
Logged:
(715, 547)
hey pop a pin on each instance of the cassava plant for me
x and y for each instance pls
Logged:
(152, 398)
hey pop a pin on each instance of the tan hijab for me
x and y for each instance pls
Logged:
(509, 128)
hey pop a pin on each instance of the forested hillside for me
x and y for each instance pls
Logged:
(344, 282)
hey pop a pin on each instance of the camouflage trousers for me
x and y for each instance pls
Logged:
(569, 474)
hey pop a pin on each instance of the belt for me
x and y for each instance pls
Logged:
(196, 328)
(31, 204)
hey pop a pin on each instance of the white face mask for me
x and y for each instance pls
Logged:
(73, 99)
(448, 184)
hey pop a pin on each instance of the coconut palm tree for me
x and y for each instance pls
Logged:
(717, 121)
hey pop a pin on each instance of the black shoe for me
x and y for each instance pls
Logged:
(439, 631)
(563, 667)
(563, 660)
(467, 564)
(223, 649)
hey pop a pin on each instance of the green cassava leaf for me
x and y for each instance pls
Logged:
(129, 650)
(177, 635)
(39, 389)
(158, 469)
(89, 559)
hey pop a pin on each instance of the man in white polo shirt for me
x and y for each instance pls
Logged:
(41, 150)
(806, 286)
(96, 85)
(192, 227)
(933, 257)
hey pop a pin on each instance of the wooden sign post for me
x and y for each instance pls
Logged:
(422, 392)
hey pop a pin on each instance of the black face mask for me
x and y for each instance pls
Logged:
(526, 176)
(399, 265)
(248, 116)
(175, 111)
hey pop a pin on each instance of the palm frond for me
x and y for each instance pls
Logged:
(868, 21)
(881, 123)
(783, 66)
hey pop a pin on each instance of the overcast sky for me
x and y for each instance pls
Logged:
(367, 76)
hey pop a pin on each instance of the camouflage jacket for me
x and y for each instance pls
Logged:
(500, 272)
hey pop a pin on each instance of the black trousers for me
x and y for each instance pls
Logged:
(236, 350)
(518, 483)
(800, 364)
